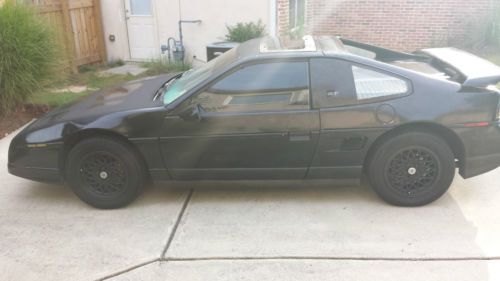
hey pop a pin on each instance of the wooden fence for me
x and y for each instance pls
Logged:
(79, 29)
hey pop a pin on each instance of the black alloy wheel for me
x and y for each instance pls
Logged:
(411, 169)
(105, 172)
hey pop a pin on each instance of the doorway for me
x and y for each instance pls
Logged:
(141, 25)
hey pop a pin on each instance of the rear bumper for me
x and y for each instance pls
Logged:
(481, 150)
(37, 174)
(475, 166)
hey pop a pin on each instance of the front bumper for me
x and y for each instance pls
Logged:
(49, 175)
(39, 162)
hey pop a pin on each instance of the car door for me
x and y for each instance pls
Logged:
(253, 123)
(357, 104)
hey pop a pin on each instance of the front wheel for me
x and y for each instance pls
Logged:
(104, 172)
(412, 169)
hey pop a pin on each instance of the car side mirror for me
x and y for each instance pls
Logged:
(193, 112)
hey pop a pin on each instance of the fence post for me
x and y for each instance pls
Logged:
(100, 32)
(68, 35)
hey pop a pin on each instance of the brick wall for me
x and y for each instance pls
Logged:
(399, 24)
(282, 25)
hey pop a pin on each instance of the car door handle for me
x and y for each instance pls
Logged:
(303, 136)
(332, 93)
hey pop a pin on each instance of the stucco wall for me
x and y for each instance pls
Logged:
(215, 14)
(113, 22)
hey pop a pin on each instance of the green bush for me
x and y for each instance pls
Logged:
(244, 31)
(116, 63)
(28, 54)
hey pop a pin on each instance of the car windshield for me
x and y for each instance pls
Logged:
(194, 76)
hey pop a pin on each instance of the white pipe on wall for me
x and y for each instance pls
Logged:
(272, 17)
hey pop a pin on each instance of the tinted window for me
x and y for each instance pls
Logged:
(192, 77)
(264, 77)
(261, 87)
(332, 83)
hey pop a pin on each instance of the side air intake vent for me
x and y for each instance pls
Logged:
(353, 143)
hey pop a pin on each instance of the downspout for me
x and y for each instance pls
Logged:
(272, 17)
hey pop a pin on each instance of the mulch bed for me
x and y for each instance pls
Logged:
(22, 115)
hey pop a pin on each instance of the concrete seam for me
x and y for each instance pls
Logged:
(180, 259)
(176, 225)
(278, 258)
(128, 269)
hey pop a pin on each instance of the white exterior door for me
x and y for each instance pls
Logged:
(141, 24)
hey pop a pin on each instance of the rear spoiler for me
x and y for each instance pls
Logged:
(476, 72)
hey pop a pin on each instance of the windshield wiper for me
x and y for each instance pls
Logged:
(159, 93)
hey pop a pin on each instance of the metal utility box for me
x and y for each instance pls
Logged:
(216, 49)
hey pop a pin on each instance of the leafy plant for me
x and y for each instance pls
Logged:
(116, 63)
(28, 54)
(297, 32)
(244, 31)
(87, 68)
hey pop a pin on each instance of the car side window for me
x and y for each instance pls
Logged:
(372, 84)
(337, 82)
(259, 87)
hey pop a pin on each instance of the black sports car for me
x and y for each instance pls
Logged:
(276, 108)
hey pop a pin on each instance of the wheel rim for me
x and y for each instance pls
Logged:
(103, 174)
(412, 171)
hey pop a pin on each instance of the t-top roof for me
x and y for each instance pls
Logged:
(307, 43)
(286, 44)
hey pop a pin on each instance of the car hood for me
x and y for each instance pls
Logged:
(132, 95)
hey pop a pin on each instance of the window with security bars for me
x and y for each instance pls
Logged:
(372, 84)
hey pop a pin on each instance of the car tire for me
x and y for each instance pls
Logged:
(105, 172)
(411, 169)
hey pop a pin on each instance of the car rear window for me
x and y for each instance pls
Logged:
(372, 84)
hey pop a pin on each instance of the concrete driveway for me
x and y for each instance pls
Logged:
(249, 231)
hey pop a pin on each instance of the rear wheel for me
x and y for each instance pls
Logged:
(412, 169)
(104, 172)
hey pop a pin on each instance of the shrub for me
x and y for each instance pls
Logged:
(87, 68)
(27, 54)
(244, 31)
(116, 63)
